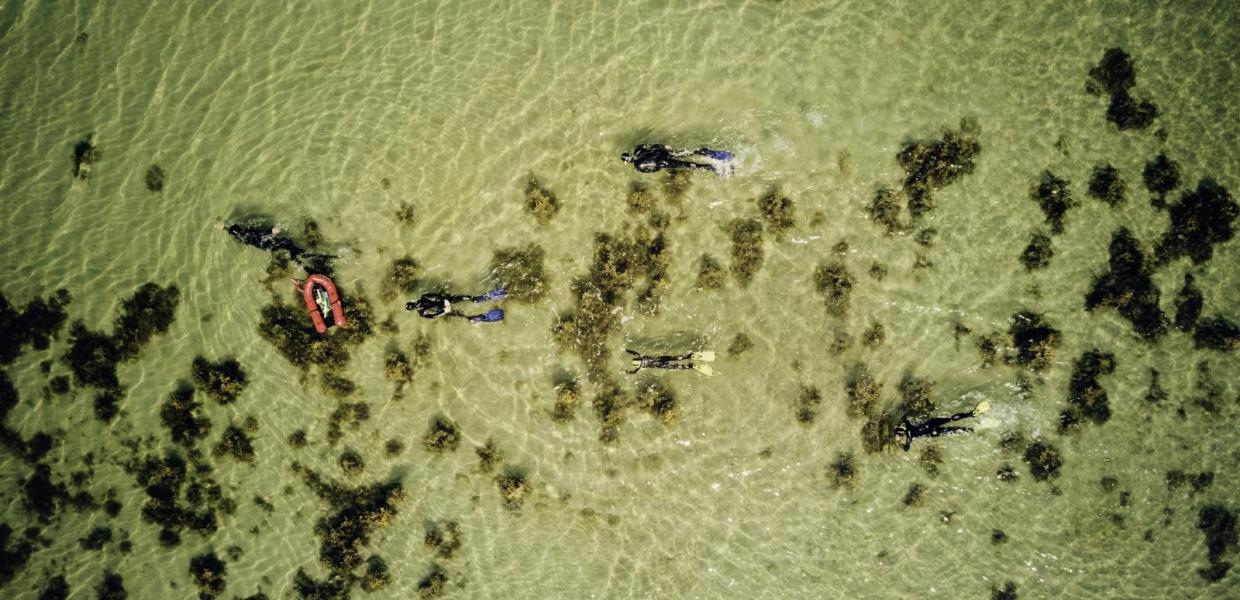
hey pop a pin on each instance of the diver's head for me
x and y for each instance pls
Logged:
(411, 306)
(628, 158)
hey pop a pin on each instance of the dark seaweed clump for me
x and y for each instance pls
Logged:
(42, 494)
(1218, 524)
(444, 537)
(1106, 185)
(844, 470)
(236, 443)
(513, 488)
(835, 283)
(916, 397)
(351, 463)
(1043, 459)
(520, 271)
(33, 325)
(740, 344)
(8, 395)
(208, 572)
(489, 456)
(656, 398)
(915, 496)
(863, 392)
(885, 211)
(930, 459)
(181, 415)
(1038, 254)
(403, 274)
(712, 275)
(1128, 288)
(222, 381)
(1006, 592)
(165, 480)
(540, 201)
(808, 403)
(289, 329)
(640, 200)
(933, 164)
(1177, 479)
(397, 368)
(433, 584)
(1035, 341)
(567, 397)
(14, 554)
(1115, 75)
(1051, 193)
(96, 538)
(1188, 305)
(85, 155)
(93, 356)
(111, 588)
(347, 414)
(1087, 398)
(778, 211)
(1161, 175)
(1200, 220)
(155, 178)
(377, 575)
(57, 588)
(1216, 333)
(747, 251)
(355, 512)
(443, 436)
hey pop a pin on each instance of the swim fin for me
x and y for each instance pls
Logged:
(495, 294)
(981, 408)
(723, 155)
(704, 369)
(706, 355)
(490, 316)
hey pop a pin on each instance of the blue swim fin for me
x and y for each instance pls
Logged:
(495, 294)
(716, 154)
(490, 316)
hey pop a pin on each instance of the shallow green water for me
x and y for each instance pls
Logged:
(304, 112)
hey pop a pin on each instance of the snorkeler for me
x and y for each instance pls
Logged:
(651, 158)
(906, 431)
(692, 360)
(435, 305)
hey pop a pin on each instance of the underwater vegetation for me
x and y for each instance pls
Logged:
(167, 481)
(208, 572)
(1052, 194)
(443, 436)
(489, 456)
(1177, 479)
(933, 164)
(835, 283)
(930, 459)
(567, 397)
(182, 416)
(433, 584)
(1201, 219)
(1216, 333)
(14, 554)
(1188, 304)
(513, 488)
(864, 393)
(520, 271)
(222, 381)
(347, 414)
(351, 463)
(237, 443)
(778, 211)
(885, 210)
(740, 344)
(915, 496)
(403, 274)
(397, 368)
(747, 251)
(1127, 287)
(1106, 185)
(57, 588)
(656, 398)
(1087, 398)
(540, 201)
(1005, 592)
(354, 513)
(443, 537)
(1043, 459)
(915, 397)
(1034, 339)
(34, 325)
(639, 200)
(843, 470)
(808, 403)
(155, 178)
(1218, 524)
(93, 356)
(85, 155)
(1039, 252)
(609, 404)
(711, 273)
(290, 330)
(1161, 175)
(112, 587)
(1115, 75)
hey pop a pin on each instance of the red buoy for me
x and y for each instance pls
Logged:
(327, 300)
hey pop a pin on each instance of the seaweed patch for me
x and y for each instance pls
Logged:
(1116, 75)
(1105, 184)
(1087, 398)
(33, 325)
(1034, 339)
(155, 178)
(540, 202)
(520, 272)
(1043, 459)
(1200, 220)
(1128, 288)
(208, 572)
(1188, 305)
(934, 164)
(1161, 175)
(1052, 194)
(779, 212)
(1218, 524)
(222, 381)
(747, 251)
(1038, 254)
(807, 404)
(443, 436)
(567, 397)
(835, 283)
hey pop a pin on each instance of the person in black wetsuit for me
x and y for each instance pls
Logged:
(907, 431)
(651, 158)
(269, 239)
(692, 360)
(435, 305)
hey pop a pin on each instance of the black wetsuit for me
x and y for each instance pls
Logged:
(651, 158)
(659, 362)
(435, 305)
(932, 428)
(263, 239)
